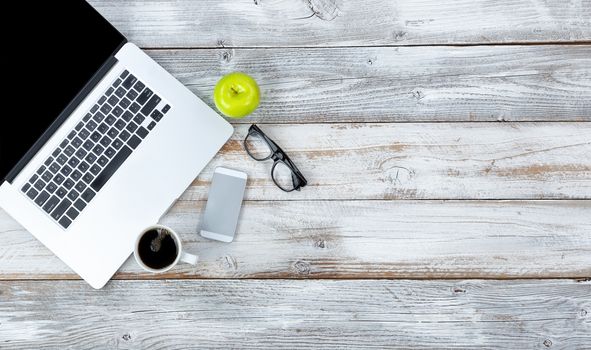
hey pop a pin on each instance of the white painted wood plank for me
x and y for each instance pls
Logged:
(361, 314)
(359, 239)
(419, 161)
(485, 83)
(211, 23)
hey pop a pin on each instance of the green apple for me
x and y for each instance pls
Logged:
(236, 95)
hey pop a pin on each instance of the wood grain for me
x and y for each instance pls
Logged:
(419, 161)
(359, 239)
(486, 83)
(374, 314)
(258, 23)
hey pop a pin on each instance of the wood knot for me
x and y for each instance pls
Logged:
(226, 56)
(399, 35)
(301, 267)
(256, 2)
(126, 337)
(457, 290)
(583, 313)
(547, 343)
(417, 94)
(221, 43)
(321, 243)
(230, 263)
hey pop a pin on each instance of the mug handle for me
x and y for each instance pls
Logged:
(189, 258)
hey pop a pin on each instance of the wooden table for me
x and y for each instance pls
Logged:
(448, 152)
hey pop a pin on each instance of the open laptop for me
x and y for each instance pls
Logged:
(97, 140)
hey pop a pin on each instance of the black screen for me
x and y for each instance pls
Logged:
(51, 54)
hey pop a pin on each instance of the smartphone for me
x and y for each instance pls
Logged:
(223, 204)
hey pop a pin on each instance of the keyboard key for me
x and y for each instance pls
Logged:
(76, 175)
(65, 222)
(142, 132)
(83, 166)
(124, 103)
(41, 170)
(80, 186)
(32, 193)
(156, 115)
(105, 141)
(102, 161)
(88, 177)
(103, 128)
(26, 187)
(88, 195)
(113, 100)
(124, 74)
(40, 200)
(139, 119)
(72, 213)
(79, 204)
(109, 91)
(59, 179)
(131, 95)
(54, 167)
(71, 134)
(110, 152)
(35, 177)
(88, 144)
(61, 209)
(120, 92)
(48, 161)
(95, 169)
(83, 134)
(134, 107)
(110, 169)
(151, 125)
(102, 100)
(64, 143)
(165, 109)
(79, 126)
(152, 103)
(106, 108)
(95, 136)
(90, 158)
(56, 152)
(117, 111)
(91, 125)
(39, 185)
(76, 142)
(81, 153)
(127, 116)
(68, 184)
(117, 144)
(51, 187)
(117, 82)
(92, 110)
(61, 192)
(113, 133)
(124, 135)
(50, 204)
(73, 162)
(73, 194)
(69, 151)
(131, 127)
(134, 141)
(129, 81)
(46, 176)
(98, 117)
(110, 119)
(98, 149)
(66, 170)
(139, 86)
(144, 96)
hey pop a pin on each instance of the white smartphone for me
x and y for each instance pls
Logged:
(223, 204)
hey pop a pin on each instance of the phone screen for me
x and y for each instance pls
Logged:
(223, 204)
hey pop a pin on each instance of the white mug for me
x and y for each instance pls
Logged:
(181, 255)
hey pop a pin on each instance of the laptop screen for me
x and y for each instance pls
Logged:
(49, 57)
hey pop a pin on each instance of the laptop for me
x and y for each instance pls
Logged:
(98, 140)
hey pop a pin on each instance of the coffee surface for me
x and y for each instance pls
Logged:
(157, 256)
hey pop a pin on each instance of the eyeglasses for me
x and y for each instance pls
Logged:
(284, 172)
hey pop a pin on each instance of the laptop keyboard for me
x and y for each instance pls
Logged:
(93, 151)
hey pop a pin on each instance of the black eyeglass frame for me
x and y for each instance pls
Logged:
(278, 156)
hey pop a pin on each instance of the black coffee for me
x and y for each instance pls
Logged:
(157, 252)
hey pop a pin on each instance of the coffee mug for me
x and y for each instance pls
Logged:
(158, 249)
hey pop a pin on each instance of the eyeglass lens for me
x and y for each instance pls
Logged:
(257, 147)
